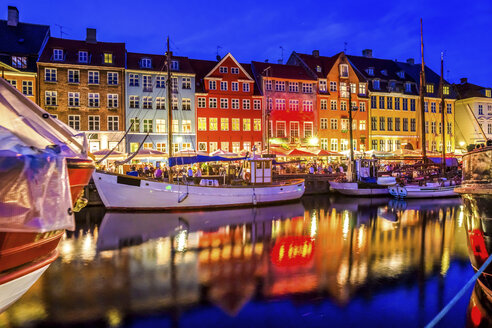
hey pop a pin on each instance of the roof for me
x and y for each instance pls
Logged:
(469, 90)
(201, 69)
(249, 69)
(23, 39)
(324, 63)
(282, 71)
(96, 52)
(158, 62)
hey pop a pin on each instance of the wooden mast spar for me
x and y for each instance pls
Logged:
(422, 90)
(443, 117)
(169, 110)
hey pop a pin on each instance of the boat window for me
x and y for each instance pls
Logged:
(267, 165)
(258, 165)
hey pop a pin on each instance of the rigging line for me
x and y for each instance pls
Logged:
(460, 294)
(116, 146)
(134, 154)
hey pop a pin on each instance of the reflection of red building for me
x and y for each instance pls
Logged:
(228, 112)
(290, 95)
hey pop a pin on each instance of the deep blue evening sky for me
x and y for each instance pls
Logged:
(255, 30)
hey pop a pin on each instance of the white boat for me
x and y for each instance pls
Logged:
(353, 189)
(126, 192)
(429, 191)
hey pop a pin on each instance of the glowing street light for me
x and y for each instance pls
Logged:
(313, 141)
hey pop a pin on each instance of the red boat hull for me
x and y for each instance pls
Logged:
(79, 174)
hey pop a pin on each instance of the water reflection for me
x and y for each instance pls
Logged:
(131, 267)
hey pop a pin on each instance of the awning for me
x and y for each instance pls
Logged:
(299, 153)
(185, 160)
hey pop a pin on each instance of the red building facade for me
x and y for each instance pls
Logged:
(228, 112)
(289, 94)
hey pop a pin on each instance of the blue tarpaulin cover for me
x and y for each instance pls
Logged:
(449, 161)
(201, 159)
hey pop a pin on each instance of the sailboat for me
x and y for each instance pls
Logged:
(119, 191)
(429, 189)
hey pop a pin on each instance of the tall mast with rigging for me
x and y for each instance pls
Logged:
(422, 90)
(169, 107)
(443, 117)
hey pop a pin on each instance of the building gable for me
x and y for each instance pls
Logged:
(228, 61)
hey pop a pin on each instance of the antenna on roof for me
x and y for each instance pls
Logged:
(217, 56)
(281, 61)
(345, 46)
(61, 30)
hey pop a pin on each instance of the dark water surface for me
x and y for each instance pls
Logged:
(325, 262)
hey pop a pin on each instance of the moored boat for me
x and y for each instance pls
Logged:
(428, 191)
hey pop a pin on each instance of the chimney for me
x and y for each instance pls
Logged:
(91, 35)
(217, 57)
(316, 53)
(411, 61)
(464, 80)
(266, 60)
(367, 53)
(13, 16)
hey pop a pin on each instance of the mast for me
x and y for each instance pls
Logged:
(169, 108)
(422, 86)
(350, 125)
(443, 117)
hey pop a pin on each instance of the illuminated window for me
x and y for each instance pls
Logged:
(308, 129)
(224, 124)
(322, 86)
(19, 62)
(334, 144)
(212, 122)
(246, 124)
(212, 146)
(487, 93)
(257, 124)
(362, 88)
(446, 89)
(160, 125)
(186, 126)
(108, 58)
(160, 103)
(202, 124)
(135, 124)
(430, 88)
(324, 143)
(362, 125)
(235, 124)
(175, 126)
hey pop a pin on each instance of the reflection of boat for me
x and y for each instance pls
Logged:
(424, 204)
(122, 229)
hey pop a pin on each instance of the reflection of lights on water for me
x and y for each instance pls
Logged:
(87, 243)
(113, 317)
(162, 249)
(460, 216)
(314, 226)
(67, 250)
(445, 262)
(346, 224)
(360, 236)
(181, 240)
(342, 275)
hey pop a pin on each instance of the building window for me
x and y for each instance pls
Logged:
(186, 83)
(408, 87)
(146, 63)
(93, 77)
(333, 86)
(381, 102)
(175, 127)
(234, 86)
(27, 88)
(308, 129)
(412, 125)
(73, 99)
(307, 88)
(375, 84)
(430, 88)
(257, 104)
(449, 109)
(374, 123)
(212, 102)
(334, 144)
(186, 126)
(446, 90)
(147, 83)
(382, 124)
(433, 107)
(160, 126)
(212, 85)
(382, 145)
(279, 104)
(73, 76)
(134, 102)
(390, 124)
(433, 127)
(344, 124)
(135, 124)
(50, 98)
(50, 74)
(362, 125)
(487, 93)
(175, 65)
(235, 124)
(160, 103)
(246, 124)
(323, 104)
(147, 102)
(246, 87)
(405, 104)
(94, 123)
(344, 70)
(343, 105)
(212, 124)
(14, 83)
(93, 99)
(294, 129)
(280, 127)
(374, 145)
(405, 124)
(268, 85)
(412, 105)
(362, 106)
(223, 85)
(133, 80)
(108, 58)
(334, 124)
(224, 124)
(224, 103)
(112, 78)
(83, 57)
(19, 62)
(397, 124)
(389, 102)
(74, 122)
(113, 123)
(148, 126)
(333, 104)
(257, 124)
(174, 103)
(322, 86)
(280, 86)
(353, 88)
(307, 105)
(362, 88)
(186, 104)
(480, 109)
(160, 82)
(397, 103)
(426, 106)
(202, 102)
(202, 124)
(324, 143)
(373, 102)
(235, 103)
(223, 69)
(344, 144)
(57, 54)
(246, 104)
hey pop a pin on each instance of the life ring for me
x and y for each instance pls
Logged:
(247, 176)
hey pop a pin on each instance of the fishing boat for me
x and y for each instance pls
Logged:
(118, 191)
(430, 190)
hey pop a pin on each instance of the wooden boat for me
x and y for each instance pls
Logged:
(416, 191)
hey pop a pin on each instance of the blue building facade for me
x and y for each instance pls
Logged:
(146, 103)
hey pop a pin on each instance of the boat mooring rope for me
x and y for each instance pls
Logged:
(460, 294)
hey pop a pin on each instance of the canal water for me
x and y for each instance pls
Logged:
(323, 262)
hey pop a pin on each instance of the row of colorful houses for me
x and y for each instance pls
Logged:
(104, 90)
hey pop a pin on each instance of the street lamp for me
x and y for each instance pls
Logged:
(313, 141)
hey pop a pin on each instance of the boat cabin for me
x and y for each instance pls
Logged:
(366, 169)
(260, 170)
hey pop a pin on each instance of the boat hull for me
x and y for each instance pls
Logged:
(79, 174)
(422, 192)
(352, 189)
(125, 192)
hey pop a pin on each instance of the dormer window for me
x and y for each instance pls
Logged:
(146, 63)
(223, 69)
(376, 85)
(58, 54)
(392, 86)
(234, 70)
(445, 90)
(408, 87)
(370, 71)
(430, 88)
(108, 58)
(83, 57)
(175, 65)
(487, 93)
(19, 62)
(318, 68)
(344, 70)
(401, 74)
(384, 72)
